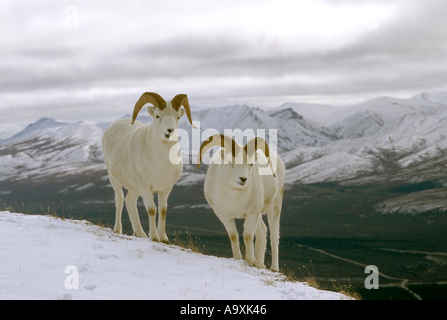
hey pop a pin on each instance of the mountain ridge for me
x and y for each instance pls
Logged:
(405, 132)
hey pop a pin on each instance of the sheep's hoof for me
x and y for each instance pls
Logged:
(164, 239)
(260, 265)
(141, 234)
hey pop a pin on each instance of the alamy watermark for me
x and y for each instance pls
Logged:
(72, 17)
(372, 281)
(239, 136)
(372, 24)
(72, 281)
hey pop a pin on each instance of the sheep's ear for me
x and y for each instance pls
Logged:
(182, 100)
(148, 97)
(151, 111)
(182, 112)
(219, 157)
(255, 144)
(222, 156)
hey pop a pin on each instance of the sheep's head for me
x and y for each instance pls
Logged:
(166, 115)
(235, 160)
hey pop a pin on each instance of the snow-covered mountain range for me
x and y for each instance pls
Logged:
(328, 144)
(373, 137)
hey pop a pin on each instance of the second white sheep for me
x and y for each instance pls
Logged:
(238, 186)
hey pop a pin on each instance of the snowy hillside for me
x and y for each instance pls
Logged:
(48, 147)
(375, 136)
(438, 97)
(315, 112)
(293, 130)
(32, 129)
(36, 251)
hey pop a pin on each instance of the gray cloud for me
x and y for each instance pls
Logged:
(119, 51)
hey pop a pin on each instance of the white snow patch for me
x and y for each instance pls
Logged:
(85, 187)
(37, 249)
(204, 206)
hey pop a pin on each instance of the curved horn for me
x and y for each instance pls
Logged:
(182, 100)
(258, 143)
(224, 141)
(148, 97)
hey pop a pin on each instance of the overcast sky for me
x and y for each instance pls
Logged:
(90, 60)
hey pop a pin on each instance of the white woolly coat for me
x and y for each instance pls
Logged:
(125, 148)
(259, 194)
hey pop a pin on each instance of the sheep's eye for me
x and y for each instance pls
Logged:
(252, 165)
(157, 116)
(178, 118)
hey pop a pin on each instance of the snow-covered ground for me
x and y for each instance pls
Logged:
(36, 251)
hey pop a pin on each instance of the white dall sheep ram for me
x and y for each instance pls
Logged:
(238, 186)
(138, 158)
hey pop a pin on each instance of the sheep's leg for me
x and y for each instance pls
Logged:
(162, 209)
(230, 226)
(250, 226)
(261, 242)
(148, 199)
(131, 204)
(273, 220)
(119, 197)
